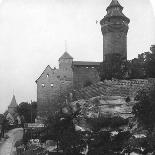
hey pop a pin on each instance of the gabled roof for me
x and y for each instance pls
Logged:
(13, 103)
(43, 72)
(85, 63)
(66, 55)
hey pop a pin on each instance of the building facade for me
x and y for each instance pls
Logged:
(53, 85)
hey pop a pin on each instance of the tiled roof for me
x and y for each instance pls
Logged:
(85, 63)
(13, 103)
(66, 56)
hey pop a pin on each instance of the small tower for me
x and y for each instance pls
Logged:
(65, 62)
(114, 27)
(13, 106)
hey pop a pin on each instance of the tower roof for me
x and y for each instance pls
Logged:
(112, 12)
(114, 3)
(13, 103)
(66, 55)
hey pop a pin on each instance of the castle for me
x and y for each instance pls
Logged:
(54, 84)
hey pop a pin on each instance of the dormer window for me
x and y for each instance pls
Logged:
(47, 75)
(43, 85)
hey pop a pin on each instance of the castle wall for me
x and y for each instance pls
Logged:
(84, 76)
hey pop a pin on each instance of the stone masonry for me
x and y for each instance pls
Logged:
(114, 27)
(54, 84)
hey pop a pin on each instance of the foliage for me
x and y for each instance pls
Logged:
(27, 111)
(144, 109)
(60, 127)
(138, 68)
(150, 65)
(4, 125)
(114, 67)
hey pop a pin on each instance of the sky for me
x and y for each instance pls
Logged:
(33, 34)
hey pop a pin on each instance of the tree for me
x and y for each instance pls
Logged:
(60, 128)
(4, 125)
(115, 66)
(144, 109)
(28, 111)
(150, 65)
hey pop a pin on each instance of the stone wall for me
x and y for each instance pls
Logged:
(132, 82)
(84, 76)
(123, 88)
(52, 86)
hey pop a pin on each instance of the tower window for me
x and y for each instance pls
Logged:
(43, 85)
(52, 84)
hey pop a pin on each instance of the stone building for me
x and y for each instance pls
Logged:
(53, 85)
(114, 27)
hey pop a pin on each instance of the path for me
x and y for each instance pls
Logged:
(7, 147)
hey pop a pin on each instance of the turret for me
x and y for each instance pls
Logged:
(65, 62)
(114, 27)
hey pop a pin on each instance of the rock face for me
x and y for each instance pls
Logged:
(107, 107)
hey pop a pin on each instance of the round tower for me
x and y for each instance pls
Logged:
(114, 27)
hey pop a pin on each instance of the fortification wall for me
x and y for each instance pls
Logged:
(129, 87)
(84, 76)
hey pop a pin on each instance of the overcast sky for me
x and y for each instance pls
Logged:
(33, 34)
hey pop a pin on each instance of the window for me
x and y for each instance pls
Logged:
(47, 75)
(52, 84)
(43, 85)
(58, 76)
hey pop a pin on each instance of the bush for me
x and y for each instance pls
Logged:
(144, 109)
